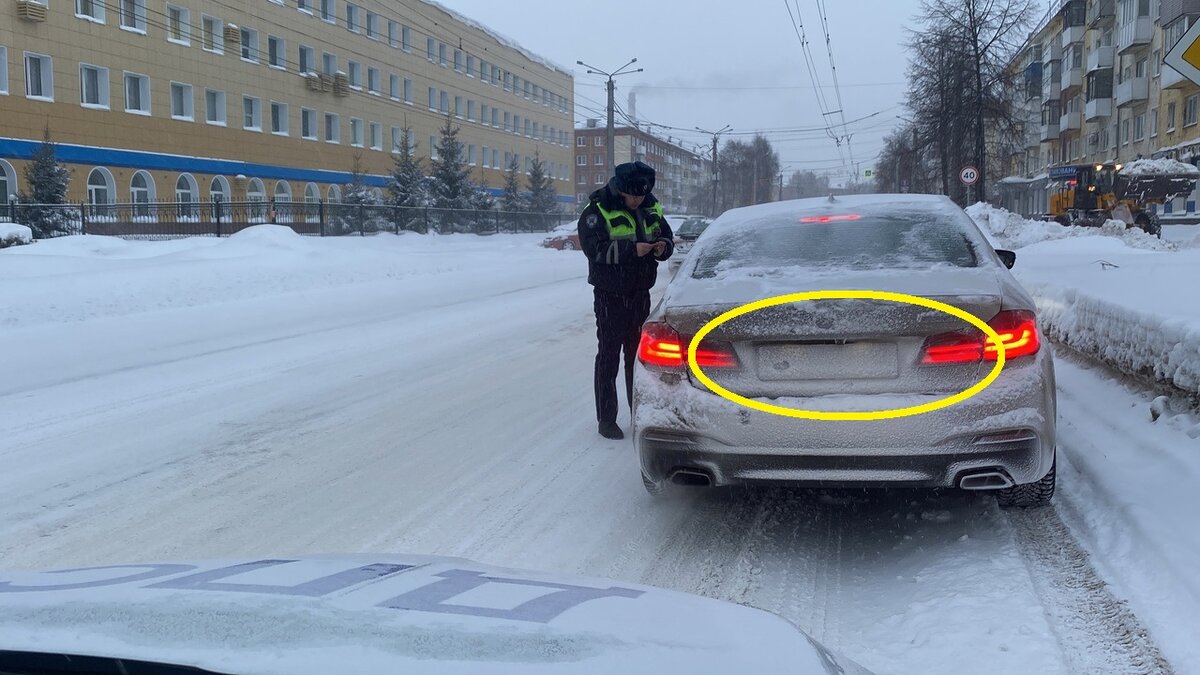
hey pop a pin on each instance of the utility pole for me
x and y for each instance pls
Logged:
(593, 70)
(716, 174)
(780, 198)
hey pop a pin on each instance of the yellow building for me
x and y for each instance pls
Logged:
(192, 100)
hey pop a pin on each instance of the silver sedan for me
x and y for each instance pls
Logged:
(847, 355)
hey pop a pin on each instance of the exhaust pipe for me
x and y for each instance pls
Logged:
(691, 478)
(985, 480)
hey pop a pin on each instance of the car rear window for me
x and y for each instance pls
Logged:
(899, 240)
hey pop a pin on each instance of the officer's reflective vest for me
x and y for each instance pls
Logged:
(620, 223)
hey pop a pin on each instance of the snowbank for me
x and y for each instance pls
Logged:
(12, 234)
(1163, 165)
(1014, 231)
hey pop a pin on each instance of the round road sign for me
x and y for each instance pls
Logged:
(969, 175)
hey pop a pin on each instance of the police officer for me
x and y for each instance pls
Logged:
(624, 235)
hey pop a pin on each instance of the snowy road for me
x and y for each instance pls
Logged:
(461, 423)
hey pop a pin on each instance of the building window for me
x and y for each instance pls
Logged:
(1153, 122)
(445, 101)
(470, 110)
(133, 15)
(304, 6)
(406, 38)
(1125, 128)
(329, 11)
(485, 157)
(1189, 110)
(218, 190)
(598, 160)
(355, 75)
(283, 191)
(433, 147)
(372, 25)
(137, 94)
(214, 107)
(376, 135)
(507, 121)
(458, 60)
(279, 118)
(458, 107)
(251, 113)
(397, 139)
(308, 124)
(141, 193)
(182, 102)
(581, 160)
(39, 77)
(599, 179)
(187, 193)
(250, 45)
(333, 128)
(433, 99)
(1170, 117)
(3, 70)
(93, 87)
(495, 117)
(598, 142)
(90, 9)
(373, 80)
(495, 158)
(581, 141)
(276, 48)
(431, 50)
(470, 66)
(484, 71)
(442, 54)
(1156, 63)
(351, 17)
(211, 39)
(408, 90)
(393, 34)
(484, 117)
(356, 132)
(471, 154)
(329, 63)
(101, 189)
(307, 60)
(394, 87)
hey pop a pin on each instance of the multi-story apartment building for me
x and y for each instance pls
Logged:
(1105, 94)
(680, 172)
(200, 99)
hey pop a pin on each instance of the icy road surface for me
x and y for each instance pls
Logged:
(435, 397)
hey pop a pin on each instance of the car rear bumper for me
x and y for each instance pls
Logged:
(1007, 429)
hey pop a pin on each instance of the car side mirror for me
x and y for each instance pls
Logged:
(1009, 258)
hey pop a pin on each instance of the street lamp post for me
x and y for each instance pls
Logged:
(592, 70)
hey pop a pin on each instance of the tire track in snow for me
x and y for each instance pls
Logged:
(1097, 632)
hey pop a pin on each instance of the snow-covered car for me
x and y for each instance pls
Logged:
(688, 231)
(381, 614)
(847, 355)
(564, 238)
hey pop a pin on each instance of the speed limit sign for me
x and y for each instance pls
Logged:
(969, 175)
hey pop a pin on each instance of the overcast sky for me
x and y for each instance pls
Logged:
(711, 63)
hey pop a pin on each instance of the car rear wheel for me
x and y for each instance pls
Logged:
(568, 245)
(1029, 495)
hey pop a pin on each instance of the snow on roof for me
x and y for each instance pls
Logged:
(502, 39)
(1162, 165)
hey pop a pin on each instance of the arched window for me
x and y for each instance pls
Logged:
(187, 193)
(8, 187)
(219, 190)
(312, 197)
(312, 194)
(256, 196)
(335, 194)
(141, 194)
(283, 202)
(101, 193)
(283, 191)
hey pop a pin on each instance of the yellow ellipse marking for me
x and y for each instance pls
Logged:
(847, 416)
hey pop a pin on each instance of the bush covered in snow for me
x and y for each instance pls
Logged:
(1015, 231)
(12, 234)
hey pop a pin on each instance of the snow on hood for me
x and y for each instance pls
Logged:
(1163, 165)
(391, 613)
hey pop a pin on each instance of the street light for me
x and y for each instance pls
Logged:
(593, 70)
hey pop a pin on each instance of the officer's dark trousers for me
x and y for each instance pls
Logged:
(619, 321)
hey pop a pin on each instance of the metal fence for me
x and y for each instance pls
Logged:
(190, 219)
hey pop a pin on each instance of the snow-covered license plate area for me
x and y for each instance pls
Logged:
(270, 395)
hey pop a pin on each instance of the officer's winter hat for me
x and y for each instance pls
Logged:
(635, 178)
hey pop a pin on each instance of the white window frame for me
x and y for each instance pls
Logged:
(485, 117)
(189, 102)
(301, 50)
(406, 38)
(395, 86)
(375, 135)
(444, 102)
(329, 63)
(46, 71)
(102, 87)
(280, 52)
(352, 18)
(433, 147)
(97, 7)
(336, 137)
(396, 140)
(143, 93)
(354, 71)
(218, 34)
(185, 26)
(255, 113)
(221, 106)
(371, 25)
(408, 91)
(3, 70)
(304, 6)
(393, 34)
(283, 116)
(356, 132)
(431, 50)
(308, 116)
(139, 16)
(581, 160)
(255, 52)
(329, 11)
(471, 154)
(373, 82)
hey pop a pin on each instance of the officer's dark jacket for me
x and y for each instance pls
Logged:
(607, 234)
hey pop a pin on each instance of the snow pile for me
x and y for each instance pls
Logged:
(1163, 165)
(1014, 231)
(12, 234)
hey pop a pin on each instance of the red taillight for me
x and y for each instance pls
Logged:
(826, 219)
(1017, 330)
(662, 346)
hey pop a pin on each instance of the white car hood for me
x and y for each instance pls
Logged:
(391, 613)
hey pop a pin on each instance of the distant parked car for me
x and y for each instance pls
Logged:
(564, 238)
(687, 232)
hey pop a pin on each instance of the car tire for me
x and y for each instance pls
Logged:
(656, 488)
(568, 245)
(1030, 495)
